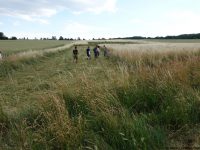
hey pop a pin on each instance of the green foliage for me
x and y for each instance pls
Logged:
(7, 68)
(4, 122)
(127, 132)
(76, 105)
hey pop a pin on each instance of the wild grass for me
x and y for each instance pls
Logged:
(166, 84)
(154, 54)
(149, 100)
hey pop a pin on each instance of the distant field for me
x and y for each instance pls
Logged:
(145, 41)
(174, 40)
(10, 47)
(121, 41)
(155, 47)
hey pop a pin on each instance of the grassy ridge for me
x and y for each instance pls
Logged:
(52, 103)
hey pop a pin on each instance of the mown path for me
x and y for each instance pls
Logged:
(24, 87)
(36, 53)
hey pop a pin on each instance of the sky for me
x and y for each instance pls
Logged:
(98, 18)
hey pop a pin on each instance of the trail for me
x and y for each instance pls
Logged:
(25, 87)
(36, 53)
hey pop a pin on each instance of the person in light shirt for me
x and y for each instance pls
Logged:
(1, 57)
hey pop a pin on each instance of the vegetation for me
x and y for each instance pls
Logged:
(131, 100)
(2, 36)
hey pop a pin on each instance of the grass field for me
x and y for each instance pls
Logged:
(9, 47)
(142, 97)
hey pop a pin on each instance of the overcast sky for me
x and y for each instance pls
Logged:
(98, 18)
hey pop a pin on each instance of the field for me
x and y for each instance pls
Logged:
(174, 40)
(9, 47)
(145, 95)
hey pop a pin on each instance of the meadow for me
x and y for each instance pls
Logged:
(144, 96)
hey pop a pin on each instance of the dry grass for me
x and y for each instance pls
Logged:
(155, 53)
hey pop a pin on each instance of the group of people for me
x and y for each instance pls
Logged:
(88, 52)
(96, 51)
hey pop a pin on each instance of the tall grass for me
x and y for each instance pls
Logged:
(162, 83)
(133, 100)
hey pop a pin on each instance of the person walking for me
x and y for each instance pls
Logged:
(98, 51)
(105, 51)
(95, 52)
(75, 54)
(1, 57)
(88, 53)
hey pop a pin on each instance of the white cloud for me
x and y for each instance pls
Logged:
(182, 22)
(75, 29)
(1, 23)
(39, 10)
(70, 30)
(108, 5)
(30, 35)
(171, 23)
(136, 21)
(16, 23)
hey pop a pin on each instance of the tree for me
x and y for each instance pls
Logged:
(2, 36)
(61, 38)
(54, 38)
(13, 38)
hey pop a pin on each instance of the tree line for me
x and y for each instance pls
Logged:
(182, 36)
(4, 37)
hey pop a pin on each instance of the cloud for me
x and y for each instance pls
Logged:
(180, 22)
(136, 21)
(1, 23)
(40, 10)
(172, 23)
(76, 29)
(16, 23)
(30, 34)
(96, 6)
(70, 29)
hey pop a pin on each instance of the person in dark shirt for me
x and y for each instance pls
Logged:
(95, 52)
(88, 53)
(75, 54)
